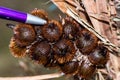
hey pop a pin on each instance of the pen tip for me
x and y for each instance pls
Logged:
(35, 20)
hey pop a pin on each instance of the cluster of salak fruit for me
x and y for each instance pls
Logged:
(64, 44)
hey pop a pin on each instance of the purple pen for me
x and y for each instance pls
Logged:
(10, 14)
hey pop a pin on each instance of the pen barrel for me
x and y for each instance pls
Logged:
(11, 14)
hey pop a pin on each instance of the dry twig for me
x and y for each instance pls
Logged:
(39, 77)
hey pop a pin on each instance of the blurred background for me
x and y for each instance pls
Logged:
(9, 65)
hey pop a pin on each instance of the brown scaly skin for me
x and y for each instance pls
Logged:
(40, 13)
(64, 51)
(86, 69)
(86, 41)
(99, 56)
(40, 52)
(70, 67)
(52, 31)
(70, 28)
(24, 34)
(16, 50)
